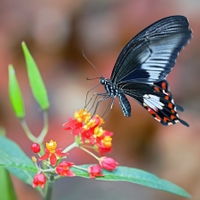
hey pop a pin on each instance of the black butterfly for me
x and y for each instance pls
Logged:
(143, 65)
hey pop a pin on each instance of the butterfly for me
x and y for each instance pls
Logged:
(142, 66)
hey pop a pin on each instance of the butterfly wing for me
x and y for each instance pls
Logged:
(150, 55)
(156, 99)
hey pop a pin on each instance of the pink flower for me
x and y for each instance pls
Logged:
(39, 180)
(108, 163)
(63, 169)
(95, 171)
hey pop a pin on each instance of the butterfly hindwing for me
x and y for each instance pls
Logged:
(157, 100)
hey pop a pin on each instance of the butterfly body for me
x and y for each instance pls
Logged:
(142, 66)
(113, 90)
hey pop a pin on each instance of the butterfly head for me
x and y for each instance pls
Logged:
(103, 80)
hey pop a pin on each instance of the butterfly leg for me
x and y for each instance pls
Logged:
(105, 96)
(86, 103)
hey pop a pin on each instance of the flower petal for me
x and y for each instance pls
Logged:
(53, 159)
(45, 156)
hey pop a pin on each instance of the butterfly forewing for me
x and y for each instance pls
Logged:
(150, 55)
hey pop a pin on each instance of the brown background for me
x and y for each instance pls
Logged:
(56, 32)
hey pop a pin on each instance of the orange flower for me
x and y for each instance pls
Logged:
(104, 142)
(52, 153)
(90, 130)
(82, 116)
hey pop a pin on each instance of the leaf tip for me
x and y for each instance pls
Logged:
(11, 69)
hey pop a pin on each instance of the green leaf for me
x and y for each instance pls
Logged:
(136, 176)
(15, 93)
(16, 161)
(35, 79)
(7, 189)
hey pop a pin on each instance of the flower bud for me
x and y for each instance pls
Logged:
(39, 180)
(95, 171)
(108, 163)
(35, 148)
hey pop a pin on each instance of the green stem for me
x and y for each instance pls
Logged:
(81, 168)
(48, 188)
(87, 146)
(27, 131)
(89, 152)
(43, 132)
(48, 170)
(71, 146)
(45, 128)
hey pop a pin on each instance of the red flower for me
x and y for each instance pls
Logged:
(87, 134)
(35, 148)
(102, 149)
(104, 142)
(39, 180)
(89, 131)
(74, 125)
(95, 171)
(108, 163)
(52, 153)
(63, 169)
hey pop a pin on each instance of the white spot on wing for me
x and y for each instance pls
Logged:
(153, 102)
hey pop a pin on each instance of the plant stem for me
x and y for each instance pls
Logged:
(45, 128)
(48, 170)
(49, 188)
(27, 131)
(81, 168)
(89, 152)
(71, 146)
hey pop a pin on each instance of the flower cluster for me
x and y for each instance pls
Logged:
(90, 131)
(53, 157)
(87, 131)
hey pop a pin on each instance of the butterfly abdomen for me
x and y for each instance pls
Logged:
(125, 105)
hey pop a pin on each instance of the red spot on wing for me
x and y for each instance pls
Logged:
(172, 111)
(173, 117)
(156, 89)
(154, 114)
(151, 111)
(158, 118)
(165, 119)
(166, 98)
(170, 105)
(164, 85)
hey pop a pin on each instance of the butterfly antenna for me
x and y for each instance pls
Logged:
(91, 64)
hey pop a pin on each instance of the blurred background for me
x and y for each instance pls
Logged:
(56, 32)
